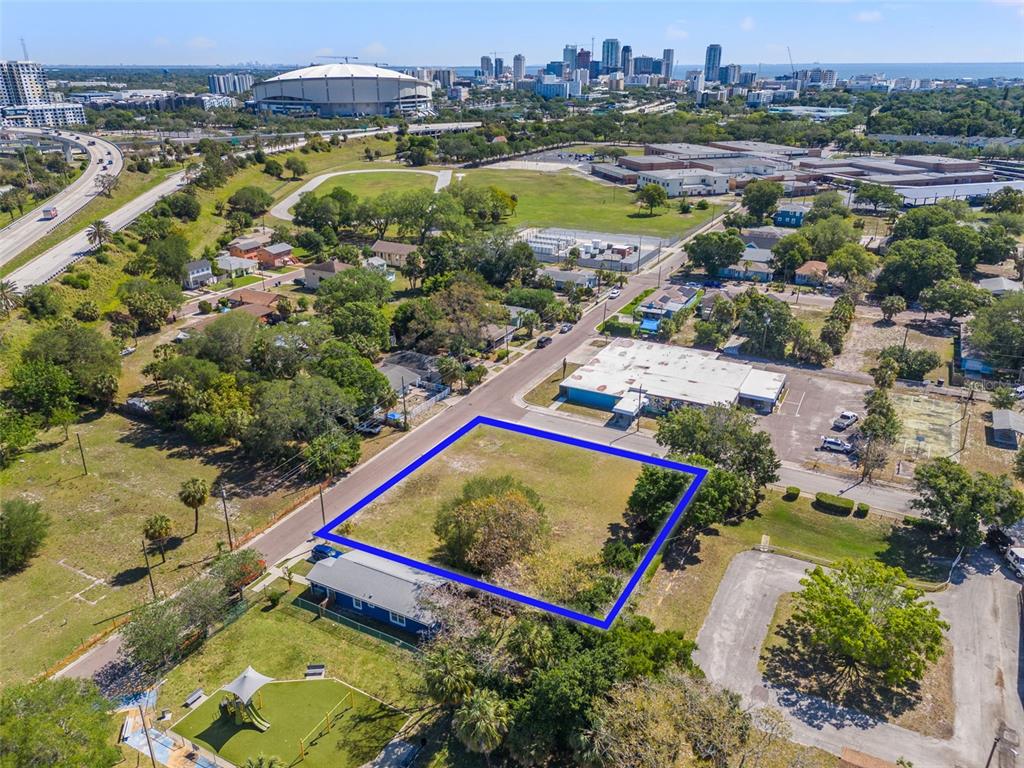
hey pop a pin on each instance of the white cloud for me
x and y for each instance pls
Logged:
(747, 23)
(868, 17)
(201, 43)
(676, 31)
(376, 48)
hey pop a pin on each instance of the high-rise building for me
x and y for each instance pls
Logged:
(499, 66)
(646, 65)
(486, 66)
(555, 68)
(822, 78)
(582, 59)
(610, 57)
(518, 67)
(626, 60)
(748, 78)
(569, 56)
(712, 61)
(695, 81)
(23, 84)
(668, 64)
(729, 74)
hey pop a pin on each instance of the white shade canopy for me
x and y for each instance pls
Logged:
(246, 684)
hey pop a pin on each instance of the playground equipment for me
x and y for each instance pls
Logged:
(323, 727)
(238, 704)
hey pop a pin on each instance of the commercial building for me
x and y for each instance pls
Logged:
(335, 90)
(617, 173)
(686, 181)
(902, 171)
(629, 376)
(499, 67)
(569, 56)
(729, 74)
(486, 66)
(518, 67)
(626, 61)
(229, 83)
(712, 62)
(25, 100)
(610, 55)
(668, 64)
(551, 87)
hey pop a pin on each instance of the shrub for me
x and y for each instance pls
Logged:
(836, 505)
(102, 257)
(87, 312)
(501, 354)
(702, 205)
(862, 510)
(792, 492)
(79, 280)
(615, 327)
(205, 307)
(274, 597)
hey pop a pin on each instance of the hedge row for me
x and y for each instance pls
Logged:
(829, 502)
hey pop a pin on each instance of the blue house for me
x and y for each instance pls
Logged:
(971, 362)
(791, 215)
(364, 585)
(755, 264)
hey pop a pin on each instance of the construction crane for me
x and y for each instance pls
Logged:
(792, 69)
(346, 58)
(24, 49)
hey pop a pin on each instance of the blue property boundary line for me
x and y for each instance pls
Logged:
(698, 473)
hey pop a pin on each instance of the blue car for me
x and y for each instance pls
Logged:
(322, 551)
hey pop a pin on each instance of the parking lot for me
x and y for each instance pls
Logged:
(805, 416)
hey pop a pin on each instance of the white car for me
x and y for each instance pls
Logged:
(845, 419)
(835, 445)
(1015, 559)
(614, 293)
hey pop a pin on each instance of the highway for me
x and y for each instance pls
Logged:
(20, 234)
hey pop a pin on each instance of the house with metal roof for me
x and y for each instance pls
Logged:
(1007, 427)
(665, 303)
(999, 286)
(275, 255)
(372, 587)
(755, 264)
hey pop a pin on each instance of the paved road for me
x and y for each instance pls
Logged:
(281, 210)
(981, 607)
(20, 234)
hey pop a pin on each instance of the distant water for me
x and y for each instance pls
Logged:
(926, 70)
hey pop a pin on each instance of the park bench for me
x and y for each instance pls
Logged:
(193, 697)
(315, 670)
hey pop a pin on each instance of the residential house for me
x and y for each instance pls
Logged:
(244, 247)
(762, 237)
(562, 278)
(496, 335)
(275, 255)
(234, 266)
(1007, 427)
(999, 286)
(394, 254)
(377, 264)
(665, 303)
(314, 274)
(791, 215)
(197, 274)
(972, 363)
(255, 298)
(707, 303)
(811, 273)
(368, 586)
(753, 265)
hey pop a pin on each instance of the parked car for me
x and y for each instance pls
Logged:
(322, 552)
(845, 419)
(1015, 560)
(998, 539)
(544, 341)
(127, 351)
(835, 445)
(369, 428)
(614, 293)
(566, 327)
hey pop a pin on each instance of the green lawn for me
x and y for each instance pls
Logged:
(591, 148)
(132, 185)
(371, 184)
(571, 201)
(360, 727)
(679, 597)
(545, 392)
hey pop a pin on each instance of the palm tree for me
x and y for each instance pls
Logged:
(157, 530)
(264, 762)
(9, 296)
(482, 722)
(193, 494)
(98, 233)
(529, 320)
(449, 677)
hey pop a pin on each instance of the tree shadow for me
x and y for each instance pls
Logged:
(642, 215)
(128, 576)
(818, 692)
(919, 549)
(939, 328)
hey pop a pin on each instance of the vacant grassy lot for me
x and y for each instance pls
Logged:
(293, 709)
(546, 392)
(584, 493)
(570, 201)
(680, 594)
(373, 183)
(132, 185)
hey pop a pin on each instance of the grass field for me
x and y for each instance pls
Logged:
(570, 201)
(584, 494)
(360, 730)
(545, 392)
(371, 184)
(132, 185)
(680, 595)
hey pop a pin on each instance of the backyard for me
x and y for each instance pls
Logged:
(568, 200)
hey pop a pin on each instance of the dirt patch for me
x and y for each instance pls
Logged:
(980, 452)
(868, 336)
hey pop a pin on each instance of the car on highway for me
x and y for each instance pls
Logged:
(845, 419)
(543, 341)
(835, 445)
(566, 327)
(614, 293)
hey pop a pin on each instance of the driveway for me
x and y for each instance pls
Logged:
(981, 607)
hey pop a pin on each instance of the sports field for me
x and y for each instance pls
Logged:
(360, 727)
(570, 201)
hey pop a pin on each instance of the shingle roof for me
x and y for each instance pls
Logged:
(387, 246)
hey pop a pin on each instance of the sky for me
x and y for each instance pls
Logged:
(458, 33)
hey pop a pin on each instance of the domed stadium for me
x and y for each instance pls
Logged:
(343, 90)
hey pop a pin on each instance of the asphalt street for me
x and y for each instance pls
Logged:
(21, 233)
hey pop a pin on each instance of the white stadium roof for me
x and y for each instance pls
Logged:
(339, 70)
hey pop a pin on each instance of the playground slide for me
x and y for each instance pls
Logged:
(255, 718)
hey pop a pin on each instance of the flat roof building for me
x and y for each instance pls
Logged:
(642, 375)
(686, 181)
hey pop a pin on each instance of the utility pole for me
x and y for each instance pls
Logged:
(81, 452)
(640, 407)
(906, 333)
(227, 521)
(323, 514)
(405, 411)
(145, 730)
(149, 569)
